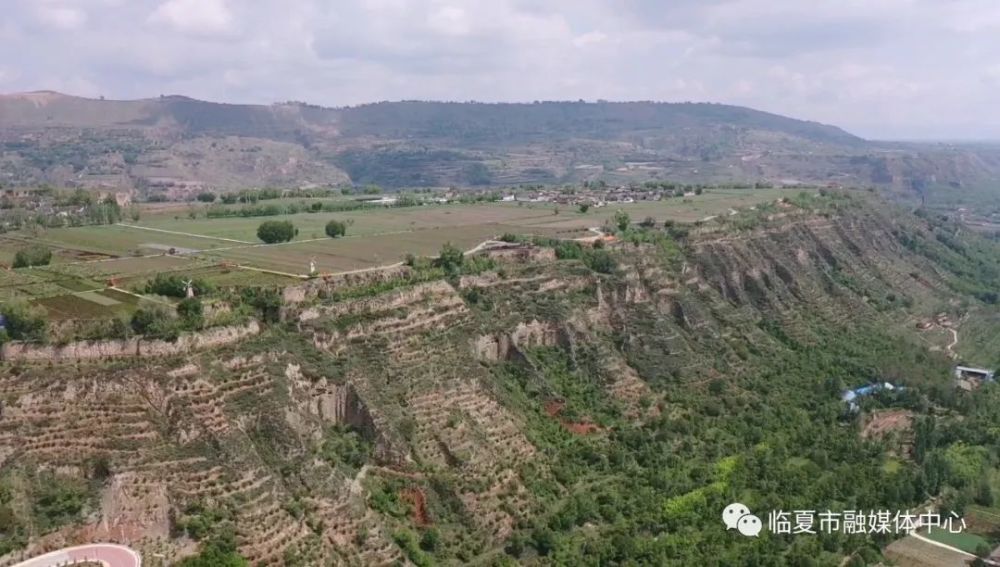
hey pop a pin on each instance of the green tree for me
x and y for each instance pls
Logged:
(34, 255)
(983, 549)
(25, 322)
(192, 312)
(450, 259)
(174, 285)
(599, 261)
(336, 228)
(272, 232)
(584, 207)
(155, 320)
(206, 197)
(622, 220)
(219, 551)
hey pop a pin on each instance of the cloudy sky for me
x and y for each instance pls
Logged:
(879, 68)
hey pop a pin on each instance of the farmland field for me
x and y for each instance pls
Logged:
(116, 240)
(88, 304)
(353, 253)
(362, 222)
(376, 221)
(167, 240)
(965, 541)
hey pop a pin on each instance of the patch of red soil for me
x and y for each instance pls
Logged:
(553, 408)
(418, 503)
(581, 428)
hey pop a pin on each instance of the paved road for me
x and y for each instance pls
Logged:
(107, 554)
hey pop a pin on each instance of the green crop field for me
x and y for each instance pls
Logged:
(351, 253)
(117, 240)
(965, 541)
(362, 222)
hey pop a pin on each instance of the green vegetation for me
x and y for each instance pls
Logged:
(175, 285)
(622, 220)
(217, 552)
(347, 446)
(335, 228)
(154, 320)
(450, 259)
(32, 256)
(58, 500)
(272, 232)
(24, 322)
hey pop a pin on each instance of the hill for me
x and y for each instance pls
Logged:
(565, 406)
(177, 144)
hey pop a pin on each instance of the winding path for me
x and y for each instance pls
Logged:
(106, 554)
(954, 341)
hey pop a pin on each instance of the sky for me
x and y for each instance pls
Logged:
(882, 69)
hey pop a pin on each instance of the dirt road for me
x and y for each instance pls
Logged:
(107, 554)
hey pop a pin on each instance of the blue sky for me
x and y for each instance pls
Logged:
(879, 68)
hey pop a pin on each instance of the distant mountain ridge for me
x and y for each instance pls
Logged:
(178, 144)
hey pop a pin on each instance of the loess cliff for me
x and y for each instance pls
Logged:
(481, 408)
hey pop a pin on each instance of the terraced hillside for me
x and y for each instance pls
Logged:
(534, 412)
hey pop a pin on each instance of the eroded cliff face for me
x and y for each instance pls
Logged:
(449, 387)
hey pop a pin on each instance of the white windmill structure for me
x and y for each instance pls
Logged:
(189, 288)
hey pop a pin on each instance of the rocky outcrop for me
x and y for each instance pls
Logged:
(327, 284)
(507, 346)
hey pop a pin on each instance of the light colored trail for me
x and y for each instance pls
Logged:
(182, 233)
(107, 554)
(954, 341)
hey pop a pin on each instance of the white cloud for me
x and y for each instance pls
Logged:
(60, 17)
(196, 17)
(590, 39)
(880, 68)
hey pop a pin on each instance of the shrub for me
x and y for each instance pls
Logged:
(191, 312)
(272, 232)
(154, 320)
(336, 228)
(32, 256)
(206, 197)
(600, 261)
(266, 301)
(171, 285)
(450, 259)
(25, 322)
(622, 220)
(584, 207)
